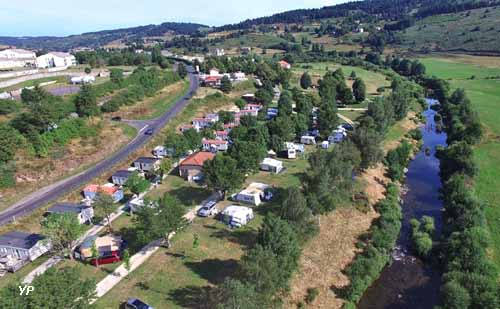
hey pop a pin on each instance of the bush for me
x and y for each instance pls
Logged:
(416, 134)
(7, 175)
(311, 295)
(8, 107)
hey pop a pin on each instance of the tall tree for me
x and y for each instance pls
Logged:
(86, 102)
(226, 85)
(160, 220)
(222, 174)
(359, 90)
(305, 81)
(181, 70)
(63, 230)
(327, 118)
(137, 184)
(105, 204)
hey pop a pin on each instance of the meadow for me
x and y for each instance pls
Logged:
(485, 97)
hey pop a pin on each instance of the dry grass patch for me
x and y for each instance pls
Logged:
(35, 173)
(327, 255)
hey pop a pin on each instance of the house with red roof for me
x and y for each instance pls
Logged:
(285, 65)
(191, 168)
(90, 192)
(222, 135)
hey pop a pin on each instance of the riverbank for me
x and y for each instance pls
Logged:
(325, 258)
(409, 282)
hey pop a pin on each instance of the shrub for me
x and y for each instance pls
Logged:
(311, 295)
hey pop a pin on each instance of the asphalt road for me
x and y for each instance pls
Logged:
(54, 191)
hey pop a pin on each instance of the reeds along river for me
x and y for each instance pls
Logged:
(409, 282)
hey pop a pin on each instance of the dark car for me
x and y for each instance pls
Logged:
(117, 118)
(149, 131)
(348, 127)
(134, 303)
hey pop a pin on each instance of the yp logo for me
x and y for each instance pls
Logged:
(26, 290)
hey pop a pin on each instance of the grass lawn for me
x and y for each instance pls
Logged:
(452, 68)
(177, 277)
(33, 82)
(485, 97)
(317, 70)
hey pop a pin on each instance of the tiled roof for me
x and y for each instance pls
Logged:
(198, 158)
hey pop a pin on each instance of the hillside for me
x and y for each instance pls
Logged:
(472, 31)
(382, 9)
(100, 38)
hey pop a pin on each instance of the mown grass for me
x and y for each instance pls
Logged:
(372, 80)
(178, 277)
(485, 97)
(33, 82)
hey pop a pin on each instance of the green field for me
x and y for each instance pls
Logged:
(451, 69)
(372, 80)
(33, 82)
(485, 96)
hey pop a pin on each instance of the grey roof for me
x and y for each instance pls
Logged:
(67, 207)
(149, 160)
(122, 173)
(18, 239)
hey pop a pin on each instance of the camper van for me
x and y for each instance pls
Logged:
(308, 140)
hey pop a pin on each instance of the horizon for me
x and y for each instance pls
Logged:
(114, 14)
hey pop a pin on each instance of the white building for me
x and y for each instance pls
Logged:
(253, 194)
(55, 60)
(219, 52)
(271, 165)
(214, 145)
(17, 58)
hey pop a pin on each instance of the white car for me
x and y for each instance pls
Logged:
(208, 209)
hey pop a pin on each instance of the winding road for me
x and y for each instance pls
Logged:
(56, 190)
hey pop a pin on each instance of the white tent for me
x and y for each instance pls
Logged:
(237, 216)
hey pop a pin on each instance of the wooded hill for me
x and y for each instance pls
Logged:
(100, 38)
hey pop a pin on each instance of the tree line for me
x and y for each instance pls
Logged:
(470, 279)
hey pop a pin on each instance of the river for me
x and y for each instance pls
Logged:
(408, 282)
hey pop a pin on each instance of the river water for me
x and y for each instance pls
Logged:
(408, 282)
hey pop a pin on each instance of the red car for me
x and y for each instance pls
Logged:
(113, 257)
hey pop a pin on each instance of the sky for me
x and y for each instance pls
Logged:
(65, 17)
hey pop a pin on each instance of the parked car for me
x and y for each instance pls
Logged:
(134, 303)
(208, 209)
(117, 118)
(149, 131)
(348, 127)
